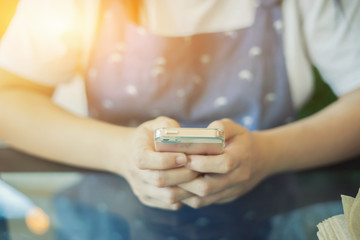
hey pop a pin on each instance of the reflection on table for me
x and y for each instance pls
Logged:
(102, 206)
(82, 204)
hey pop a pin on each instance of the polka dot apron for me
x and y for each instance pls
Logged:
(135, 75)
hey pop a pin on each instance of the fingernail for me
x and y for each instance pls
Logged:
(181, 160)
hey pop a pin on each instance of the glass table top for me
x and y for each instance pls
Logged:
(68, 203)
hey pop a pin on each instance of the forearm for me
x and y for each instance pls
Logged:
(329, 136)
(32, 123)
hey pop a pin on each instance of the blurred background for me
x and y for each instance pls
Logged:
(68, 97)
(7, 10)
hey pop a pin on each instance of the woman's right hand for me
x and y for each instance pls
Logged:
(154, 176)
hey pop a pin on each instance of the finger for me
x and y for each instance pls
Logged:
(229, 127)
(165, 198)
(236, 192)
(167, 195)
(208, 184)
(240, 189)
(162, 121)
(223, 163)
(165, 178)
(197, 202)
(159, 204)
(148, 159)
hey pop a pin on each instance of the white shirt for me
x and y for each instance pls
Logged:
(49, 40)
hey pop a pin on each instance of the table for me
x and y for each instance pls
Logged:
(85, 204)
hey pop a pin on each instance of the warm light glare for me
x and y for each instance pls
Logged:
(7, 10)
(59, 25)
(37, 221)
(55, 25)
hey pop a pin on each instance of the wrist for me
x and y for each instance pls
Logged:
(265, 153)
(118, 150)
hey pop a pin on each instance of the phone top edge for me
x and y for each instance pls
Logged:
(189, 132)
(205, 129)
(181, 137)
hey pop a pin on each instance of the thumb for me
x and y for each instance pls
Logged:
(161, 122)
(229, 127)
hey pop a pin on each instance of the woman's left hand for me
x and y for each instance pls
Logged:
(229, 175)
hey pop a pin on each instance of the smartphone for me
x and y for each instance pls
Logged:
(202, 141)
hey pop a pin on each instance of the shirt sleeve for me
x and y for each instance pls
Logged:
(332, 33)
(42, 42)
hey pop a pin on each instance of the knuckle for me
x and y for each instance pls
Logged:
(170, 197)
(163, 161)
(175, 206)
(219, 124)
(166, 121)
(141, 129)
(229, 164)
(227, 120)
(204, 188)
(161, 118)
(143, 123)
(140, 162)
(144, 200)
(139, 158)
(196, 203)
(198, 165)
(159, 179)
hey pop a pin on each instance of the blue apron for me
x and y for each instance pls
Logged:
(135, 75)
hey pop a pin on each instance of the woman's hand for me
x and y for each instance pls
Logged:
(229, 175)
(154, 176)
